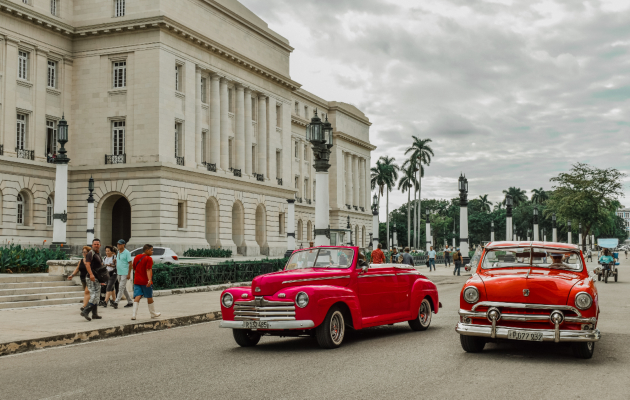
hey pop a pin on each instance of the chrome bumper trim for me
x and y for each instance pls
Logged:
(549, 335)
(526, 317)
(527, 306)
(304, 324)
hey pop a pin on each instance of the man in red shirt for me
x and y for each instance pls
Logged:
(377, 255)
(143, 280)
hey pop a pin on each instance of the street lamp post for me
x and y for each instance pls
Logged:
(463, 218)
(90, 213)
(492, 231)
(428, 231)
(554, 228)
(569, 229)
(290, 228)
(509, 202)
(536, 230)
(60, 215)
(371, 244)
(395, 235)
(454, 235)
(320, 134)
(529, 234)
(375, 221)
(514, 233)
(580, 236)
(349, 227)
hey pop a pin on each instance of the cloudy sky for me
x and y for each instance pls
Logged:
(511, 92)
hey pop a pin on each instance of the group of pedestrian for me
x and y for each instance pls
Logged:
(115, 270)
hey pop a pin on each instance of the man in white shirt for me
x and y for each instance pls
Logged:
(431, 258)
(447, 256)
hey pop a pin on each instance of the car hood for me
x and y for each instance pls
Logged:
(545, 286)
(269, 284)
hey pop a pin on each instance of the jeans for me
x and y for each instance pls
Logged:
(458, 265)
(122, 288)
(447, 259)
(431, 263)
(95, 290)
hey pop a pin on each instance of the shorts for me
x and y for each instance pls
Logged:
(111, 282)
(143, 290)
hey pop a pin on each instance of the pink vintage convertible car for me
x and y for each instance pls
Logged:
(324, 289)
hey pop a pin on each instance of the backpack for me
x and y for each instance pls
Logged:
(100, 274)
(456, 256)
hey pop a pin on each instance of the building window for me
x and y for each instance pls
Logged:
(296, 149)
(52, 74)
(120, 74)
(253, 158)
(53, 7)
(51, 139)
(49, 212)
(230, 150)
(20, 209)
(21, 132)
(306, 112)
(299, 230)
(281, 223)
(119, 8)
(203, 90)
(306, 152)
(178, 139)
(297, 108)
(23, 65)
(306, 188)
(297, 181)
(314, 192)
(278, 164)
(118, 138)
(181, 215)
(178, 78)
(204, 143)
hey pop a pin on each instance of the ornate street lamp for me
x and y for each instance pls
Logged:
(62, 138)
(60, 215)
(569, 238)
(375, 227)
(580, 235)
(320, 134)
(429, 239)
(463, 217)
(536, 230)
(492, 231)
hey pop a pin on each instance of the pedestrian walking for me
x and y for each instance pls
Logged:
(98, 277)
(432, 254)
(406, 257)
(110, 264)
(378, 257)
(143, 280)
(394, 255)
(457, 260)
(589, 255)
(447, 256)
(83, 274)
(626, 251)
(123, 269)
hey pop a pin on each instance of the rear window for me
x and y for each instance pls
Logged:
(136, 252)
(533, 257)
(158, 251)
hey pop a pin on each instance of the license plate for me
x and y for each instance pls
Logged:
(530, 336)
(256, 324)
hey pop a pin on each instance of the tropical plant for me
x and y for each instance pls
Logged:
(207, 253)
(519, 196)
(486, 205)
(15, 259)
(385, 175)
(421, 154)
(406, 183)
(539, 196)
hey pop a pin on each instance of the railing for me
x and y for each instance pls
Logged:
(348, 206)
(298, 199)
(180, 160)
(210, 167)
(259, 177)
(279, 181)
(308, 201)
(356, 208)
(236, 172)
(115, 158)
(25, 154)
(362, 208)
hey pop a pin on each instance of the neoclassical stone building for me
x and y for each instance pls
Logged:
(185, 114)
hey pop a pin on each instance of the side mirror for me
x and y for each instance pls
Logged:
(364, 268)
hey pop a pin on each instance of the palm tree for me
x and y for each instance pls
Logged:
(519, 196)
(385, 175)
(405, 184)
(421, 153)
(416, 225)
(498, 206)
(485, 203)
(539, 196)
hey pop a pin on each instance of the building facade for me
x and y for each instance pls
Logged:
(185, 115)
(624, 213)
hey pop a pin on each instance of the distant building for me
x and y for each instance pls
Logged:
(624, 213)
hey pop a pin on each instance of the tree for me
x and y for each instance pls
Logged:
(409, 163)
(588, 195)
(539, 196)
(385, 175)
(486, 205)
(518, 195)
(421, 154)
(406, 183)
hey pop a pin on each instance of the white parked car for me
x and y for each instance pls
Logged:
(161, 255)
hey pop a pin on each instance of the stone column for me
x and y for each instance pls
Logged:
(508, 223)
(361, 184)
(225, 126)
(536, 230)
(375, 228)
(198, 113)
(239, 135)
(262, 134)
(37, 132)
(492, 231)
(248, 131)
(60, 207)
(355, 181)
(428, 234)
(348, 178)
(322, 219)
(290, 228)
(272, 122)
(9, 96)
(215, 121)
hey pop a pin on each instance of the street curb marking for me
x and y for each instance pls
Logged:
(23, 346)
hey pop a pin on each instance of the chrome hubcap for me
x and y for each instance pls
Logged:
(425, 313)
(337, 327)
(590, 346)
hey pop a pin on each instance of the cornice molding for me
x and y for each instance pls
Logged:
(352, 139)
(44, 21)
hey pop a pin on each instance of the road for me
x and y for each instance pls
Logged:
(203, 362)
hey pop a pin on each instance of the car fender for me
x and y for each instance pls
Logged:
(422, 288)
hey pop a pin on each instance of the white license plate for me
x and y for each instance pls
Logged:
(256, 324)
(521, 335)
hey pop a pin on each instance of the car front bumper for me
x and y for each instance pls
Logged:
(549, 335)
(273, 325)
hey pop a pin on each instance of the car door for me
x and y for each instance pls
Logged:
(377, 292)
(158, 255)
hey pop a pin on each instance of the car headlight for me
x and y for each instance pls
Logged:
(227, 300)
(471, 294)
(583, 301)
(301, 299)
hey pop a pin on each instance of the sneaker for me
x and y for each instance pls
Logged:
(102, 303)
(129, 305)
(115, 305)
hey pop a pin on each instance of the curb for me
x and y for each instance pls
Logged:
(23, 346)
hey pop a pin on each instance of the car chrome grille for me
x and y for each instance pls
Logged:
(523, 312)
(260, 309)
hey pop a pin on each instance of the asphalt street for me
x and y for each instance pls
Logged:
(204, 362)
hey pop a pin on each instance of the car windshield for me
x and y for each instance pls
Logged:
(324, 257)
(532, 257)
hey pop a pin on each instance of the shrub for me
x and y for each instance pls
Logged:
(15, 259)
(207, 253)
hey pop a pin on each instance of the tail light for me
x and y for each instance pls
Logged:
(174, 257)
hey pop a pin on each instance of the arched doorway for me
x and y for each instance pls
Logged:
(115, 220)
(261, 228)
(238, 225)
(212, 222)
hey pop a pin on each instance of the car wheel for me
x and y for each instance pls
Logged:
(599, 277)
(331, 332)
(584, 349)
(472, 344)
(246, 337)
(423, 320)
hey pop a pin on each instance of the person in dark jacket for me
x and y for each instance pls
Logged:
(406, 257)
(83, 274)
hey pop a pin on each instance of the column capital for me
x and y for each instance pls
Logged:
(239, 86)
(248, 90)
(262, 96)
(215, 77)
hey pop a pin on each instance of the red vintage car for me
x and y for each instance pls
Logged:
(534, 291)
(323, 290)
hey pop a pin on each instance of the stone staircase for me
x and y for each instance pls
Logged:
(32, 290)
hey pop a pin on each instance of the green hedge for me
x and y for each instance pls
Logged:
(183, 276)
(14, 259)
(223, 253)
